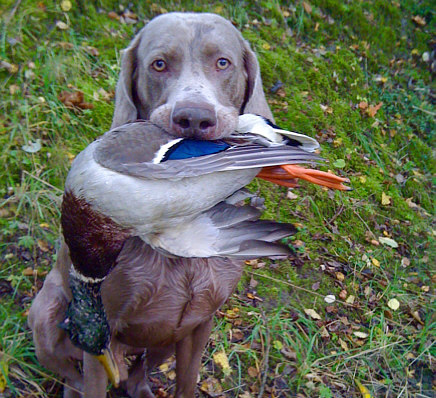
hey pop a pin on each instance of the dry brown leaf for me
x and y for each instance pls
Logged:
(307, 7)
(363, 105)
(252, 371)
(343, 344)
(420, 21)
(43, 245)
(113, 15)
(373, 109)
(74, 100)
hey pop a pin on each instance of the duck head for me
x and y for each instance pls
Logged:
(87, 326)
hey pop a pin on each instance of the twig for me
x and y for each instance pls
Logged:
(13, 11)
(366, 225)
(338, 213)
(42, 181)
(266, 358)
(299, 288)
(424, 110)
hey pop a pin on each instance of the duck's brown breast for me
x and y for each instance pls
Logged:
(152, 300)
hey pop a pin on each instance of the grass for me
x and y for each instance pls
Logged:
(332, 57)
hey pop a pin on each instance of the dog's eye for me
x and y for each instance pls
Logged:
(222, 63)
(159, 65)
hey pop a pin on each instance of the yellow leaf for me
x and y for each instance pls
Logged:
(220, 358)
(375, 262)
(393, 304)
(266, 46)
(362, 179)
(386, 199)
(340, 276)
(363, 390)
(66, 5)
(4, 370)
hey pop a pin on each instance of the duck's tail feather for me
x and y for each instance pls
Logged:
(287, 175)
(225, 231)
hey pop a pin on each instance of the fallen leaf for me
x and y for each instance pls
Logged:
(66, 5)
(330, 298)
(61, 25)
(340, 276)
(220, 358)
(11, 68)
(363, 390)
(266, 46)
(4, 371)
(350, 299)
(375, 262)
(393, 304)
(43, 245)
(373, 109)
(312, 313)
(388, 242)
(339, 163)
(324, 332)
(278, 345)
(113, 15)
(291, 195)
(29, 271)
(343, 344)
(74, 99)
(13, 88)
(289, 354)
(385, 200)
(420, 21)
(363, 105)
(211, 386)
(32, 147)
(343, 294)
(307, 7)
(252, 371)
(361, 335)
(405, 262)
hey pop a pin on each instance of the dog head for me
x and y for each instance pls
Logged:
(192, 74)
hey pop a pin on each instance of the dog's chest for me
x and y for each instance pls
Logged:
(156, 301)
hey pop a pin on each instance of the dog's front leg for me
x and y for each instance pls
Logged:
(95, 377)
(188, 359)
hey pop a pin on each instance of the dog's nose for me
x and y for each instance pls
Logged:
(191, 121)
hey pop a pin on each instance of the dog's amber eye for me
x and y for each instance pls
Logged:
(222, 63)
(159, 65)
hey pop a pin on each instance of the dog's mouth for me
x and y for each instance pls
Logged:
(196, 121)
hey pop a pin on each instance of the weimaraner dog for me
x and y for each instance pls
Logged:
(192, 74)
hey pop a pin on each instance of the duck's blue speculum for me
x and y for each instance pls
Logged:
(190, 148)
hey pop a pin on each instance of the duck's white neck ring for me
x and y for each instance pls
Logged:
(76, 274)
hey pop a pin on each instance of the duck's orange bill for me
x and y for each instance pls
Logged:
(288, 174)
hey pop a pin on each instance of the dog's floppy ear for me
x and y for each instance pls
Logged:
(125, 109)
(255, 101)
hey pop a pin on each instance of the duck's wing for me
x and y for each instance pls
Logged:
(226, 231)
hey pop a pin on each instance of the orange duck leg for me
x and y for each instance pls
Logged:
(288, 174)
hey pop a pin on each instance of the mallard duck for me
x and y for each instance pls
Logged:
(178, 195)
